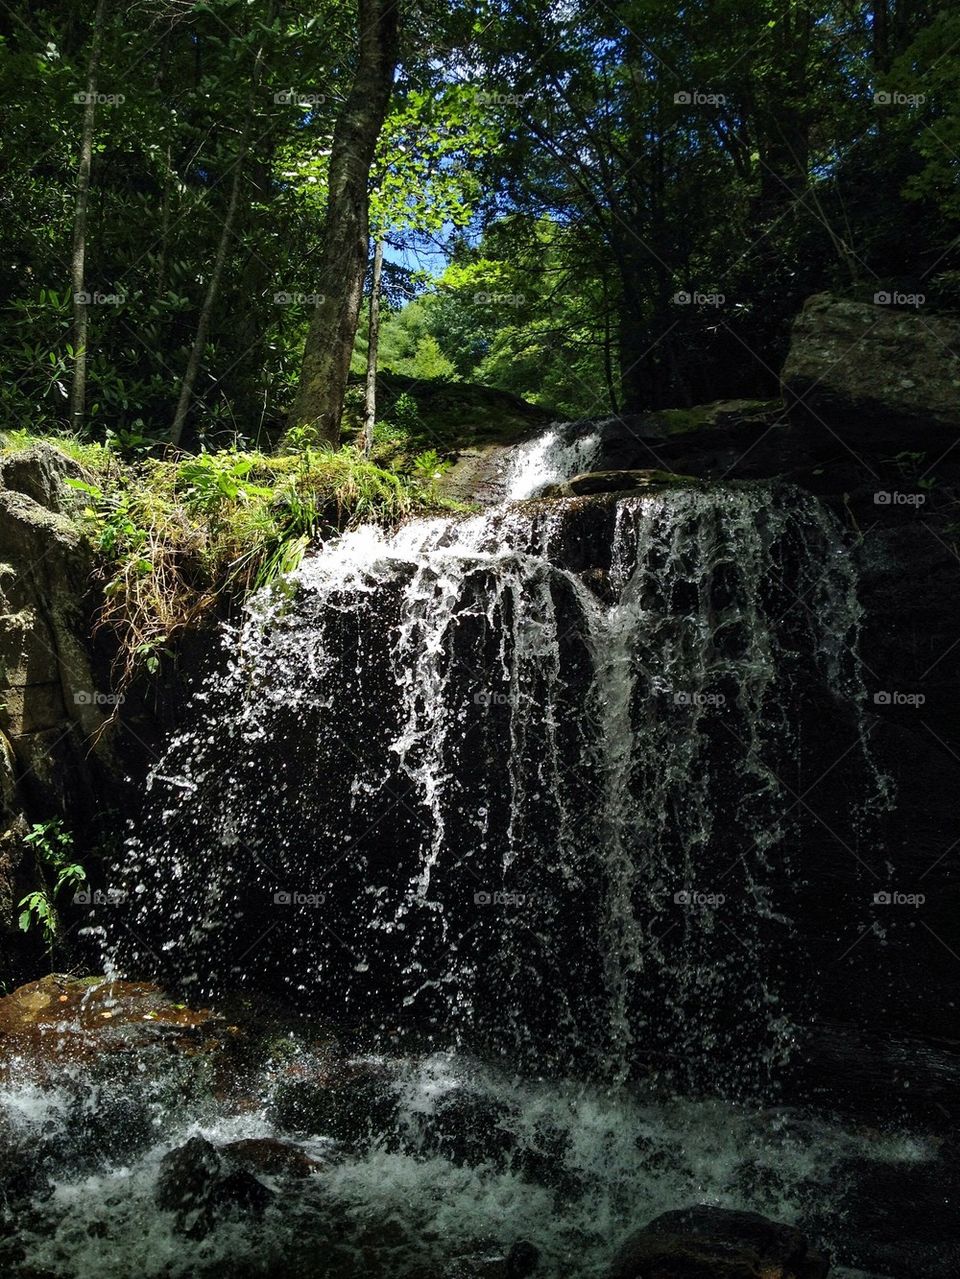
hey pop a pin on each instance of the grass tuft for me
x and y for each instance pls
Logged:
(177, 538)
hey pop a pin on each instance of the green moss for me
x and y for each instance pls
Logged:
(725, 412)
(417, 414)
(95, 457)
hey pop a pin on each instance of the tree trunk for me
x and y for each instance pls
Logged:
(78, 390)
(209, 301)
(370, 407)
(333, 327)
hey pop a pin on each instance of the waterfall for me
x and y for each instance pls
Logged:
(525, 780)
(552, 456)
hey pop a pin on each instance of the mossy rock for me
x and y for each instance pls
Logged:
(717, 416)
(592, 482)
(449, 416)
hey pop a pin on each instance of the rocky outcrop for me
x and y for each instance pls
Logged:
(64, 753)
(592, 482)
(874, 376)
(872, 414)
(717, 1243)
(63, 1018)
(50, 706)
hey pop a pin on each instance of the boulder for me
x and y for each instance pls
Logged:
(742, 438)
(38, 473)
(193, 1183)
(355, 1108)
(523, 1259)
(470, 1129)
(271, 1157)
(873, 376)
(64, 1018)
(704, 1242)
(185, 1175)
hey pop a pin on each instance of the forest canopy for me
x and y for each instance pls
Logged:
(600, 208)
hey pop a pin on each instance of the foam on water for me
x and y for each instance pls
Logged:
(583, 1167)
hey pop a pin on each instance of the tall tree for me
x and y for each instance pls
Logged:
(333, 327)
(78, 390)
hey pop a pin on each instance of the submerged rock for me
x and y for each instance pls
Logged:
(270, 1156)
(186, 1175)
(470, 1129)
(717, 1243)
(523, 1259)
(355, 1108)
(194, 1183)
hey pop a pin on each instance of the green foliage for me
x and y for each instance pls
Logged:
(56, 871)
(163, 159)
(178, 538)
(428, 466)
(580, 166)
(405, 414)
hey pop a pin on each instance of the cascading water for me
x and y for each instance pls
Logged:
(526, 780)
(554, 455)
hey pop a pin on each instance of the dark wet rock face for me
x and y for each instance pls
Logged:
(22, 1176)
(896, 1219)
(717, 1243)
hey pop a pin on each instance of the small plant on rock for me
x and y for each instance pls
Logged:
(56, 870)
